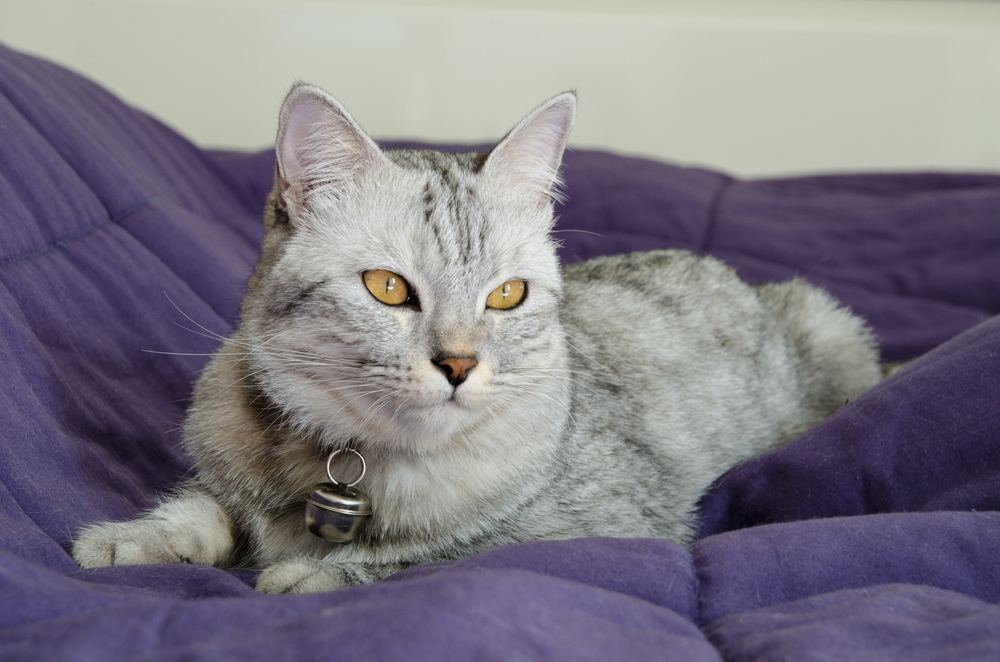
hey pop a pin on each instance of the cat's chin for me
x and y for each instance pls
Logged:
(429, 427)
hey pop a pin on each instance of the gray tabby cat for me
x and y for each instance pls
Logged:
(410, 304)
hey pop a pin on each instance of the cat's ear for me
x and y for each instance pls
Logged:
(319, 146)
(529, 156)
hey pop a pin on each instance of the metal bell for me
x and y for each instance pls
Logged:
(337, 512)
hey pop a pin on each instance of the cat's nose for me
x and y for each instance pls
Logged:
(455, 368)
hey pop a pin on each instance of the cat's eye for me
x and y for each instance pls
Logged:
(509, 294)
(388, 287)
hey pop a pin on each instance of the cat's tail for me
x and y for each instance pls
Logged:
(837, 353)
(890, 369)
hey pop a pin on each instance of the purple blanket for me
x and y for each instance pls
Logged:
(875, 536)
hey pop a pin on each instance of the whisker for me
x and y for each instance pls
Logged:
(190, 319)
(596, 234)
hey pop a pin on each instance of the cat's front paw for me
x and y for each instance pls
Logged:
(304, 575)
(143, 541)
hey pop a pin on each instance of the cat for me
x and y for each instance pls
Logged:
(410, 304)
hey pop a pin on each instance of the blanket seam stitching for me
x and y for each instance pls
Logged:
(118, 219)
(712, 214)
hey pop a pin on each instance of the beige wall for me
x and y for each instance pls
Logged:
(753, 87)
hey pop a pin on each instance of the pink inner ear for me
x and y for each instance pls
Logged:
(531, 153)
(319, 146)
(303, 120)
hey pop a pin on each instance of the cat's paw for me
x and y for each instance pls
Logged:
(303, 575)
(149, 540)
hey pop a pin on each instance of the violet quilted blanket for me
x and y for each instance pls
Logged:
(875, 536)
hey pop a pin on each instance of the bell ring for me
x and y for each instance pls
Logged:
(335, 511)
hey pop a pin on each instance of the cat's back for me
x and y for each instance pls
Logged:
(631, 267)
(674, 348)
(672, 308)
(661, 304)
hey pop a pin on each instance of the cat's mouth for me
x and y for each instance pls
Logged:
(446, 404)
(417, 413)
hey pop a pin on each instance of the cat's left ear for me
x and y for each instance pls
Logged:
(319, 146)
(529, 156)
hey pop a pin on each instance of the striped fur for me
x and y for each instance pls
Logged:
(604, 405)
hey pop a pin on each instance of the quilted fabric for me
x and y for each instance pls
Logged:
(872, 536)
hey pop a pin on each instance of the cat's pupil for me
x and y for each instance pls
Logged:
(505, 292)
(390, 284)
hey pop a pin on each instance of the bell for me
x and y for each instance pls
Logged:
(337, 512)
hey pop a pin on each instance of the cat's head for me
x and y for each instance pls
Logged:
(407, 297)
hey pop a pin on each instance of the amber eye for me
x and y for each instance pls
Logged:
(508, 295)
(388, 287)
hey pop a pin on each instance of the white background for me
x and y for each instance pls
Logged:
(752, 87)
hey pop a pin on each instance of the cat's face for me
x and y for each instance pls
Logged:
(375, 319)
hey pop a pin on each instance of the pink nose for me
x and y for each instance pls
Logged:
(456, 368)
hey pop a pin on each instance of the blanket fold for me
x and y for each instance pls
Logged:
(124, 250)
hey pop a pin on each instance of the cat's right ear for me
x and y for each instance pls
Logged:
(319, 148)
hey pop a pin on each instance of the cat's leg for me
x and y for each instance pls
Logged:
(190, 527)
(309, 575)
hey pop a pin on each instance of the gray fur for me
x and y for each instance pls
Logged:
(604, 405)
